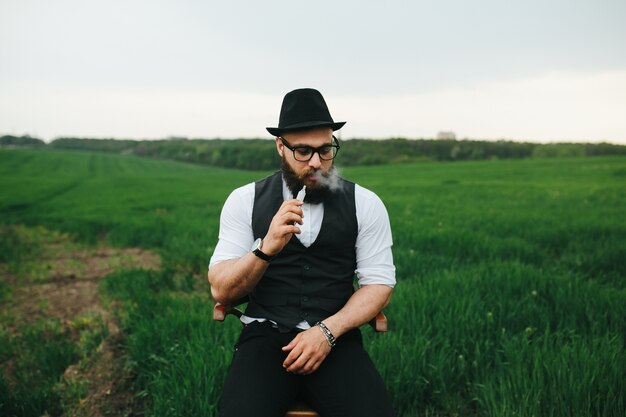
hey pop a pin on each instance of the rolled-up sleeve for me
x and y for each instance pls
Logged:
(235, 235)
(374, 258)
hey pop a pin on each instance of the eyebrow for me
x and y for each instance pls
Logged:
(300, 145)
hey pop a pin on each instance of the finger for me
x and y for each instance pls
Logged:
(281, 231)
(287, 230)
(290, 208)
(299, 365)
(288, 363)
(314, 366)
(316, 362)
(290, 346)
(293, 202)
(292, 357)
(305, 368)
(290, 218)
(287, 206)
(308, 367)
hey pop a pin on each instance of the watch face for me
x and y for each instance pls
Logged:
(257, 244)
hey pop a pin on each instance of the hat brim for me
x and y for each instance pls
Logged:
(277, 131)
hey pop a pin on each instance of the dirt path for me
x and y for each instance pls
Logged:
(61, 282)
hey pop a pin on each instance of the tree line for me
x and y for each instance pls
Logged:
(260, 154)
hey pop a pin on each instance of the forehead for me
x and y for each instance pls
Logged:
(313, 137)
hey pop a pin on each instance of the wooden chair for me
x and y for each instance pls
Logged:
(299, 409)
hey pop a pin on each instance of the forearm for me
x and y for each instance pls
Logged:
(362, 307)
(235, 278)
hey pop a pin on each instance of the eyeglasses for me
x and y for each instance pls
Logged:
(305, 153)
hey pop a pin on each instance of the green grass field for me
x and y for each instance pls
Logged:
(511, 296)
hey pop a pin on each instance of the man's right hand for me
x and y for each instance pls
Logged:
(283, 227)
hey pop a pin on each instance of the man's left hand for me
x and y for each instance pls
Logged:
(307, 351)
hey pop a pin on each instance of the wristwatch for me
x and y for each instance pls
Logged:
(256, 249)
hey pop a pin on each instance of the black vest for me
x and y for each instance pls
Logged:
(302, 283)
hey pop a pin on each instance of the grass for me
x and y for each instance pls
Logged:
(510, 300)
(45, 350)
(130, 201)
(35, 350)
(40, 353)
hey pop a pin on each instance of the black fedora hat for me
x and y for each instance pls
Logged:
(303, 109)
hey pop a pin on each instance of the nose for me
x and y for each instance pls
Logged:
(315, 161)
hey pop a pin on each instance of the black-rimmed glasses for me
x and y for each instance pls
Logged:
(305, 153)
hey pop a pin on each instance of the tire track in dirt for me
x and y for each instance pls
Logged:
(63, 284)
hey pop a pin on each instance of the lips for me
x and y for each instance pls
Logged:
(310, 176)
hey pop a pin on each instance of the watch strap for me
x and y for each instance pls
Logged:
(262, 255)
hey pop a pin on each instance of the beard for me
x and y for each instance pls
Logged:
(315, 193)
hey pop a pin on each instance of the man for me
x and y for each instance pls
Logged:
(296, 261)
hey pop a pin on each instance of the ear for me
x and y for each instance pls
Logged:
(279, 146)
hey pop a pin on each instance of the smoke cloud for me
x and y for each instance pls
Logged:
(330, 179)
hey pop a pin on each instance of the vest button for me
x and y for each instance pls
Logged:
(305, 299)
(306, 267)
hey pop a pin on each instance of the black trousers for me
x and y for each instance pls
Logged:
(346, 384)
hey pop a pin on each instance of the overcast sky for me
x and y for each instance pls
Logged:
(533, 70)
